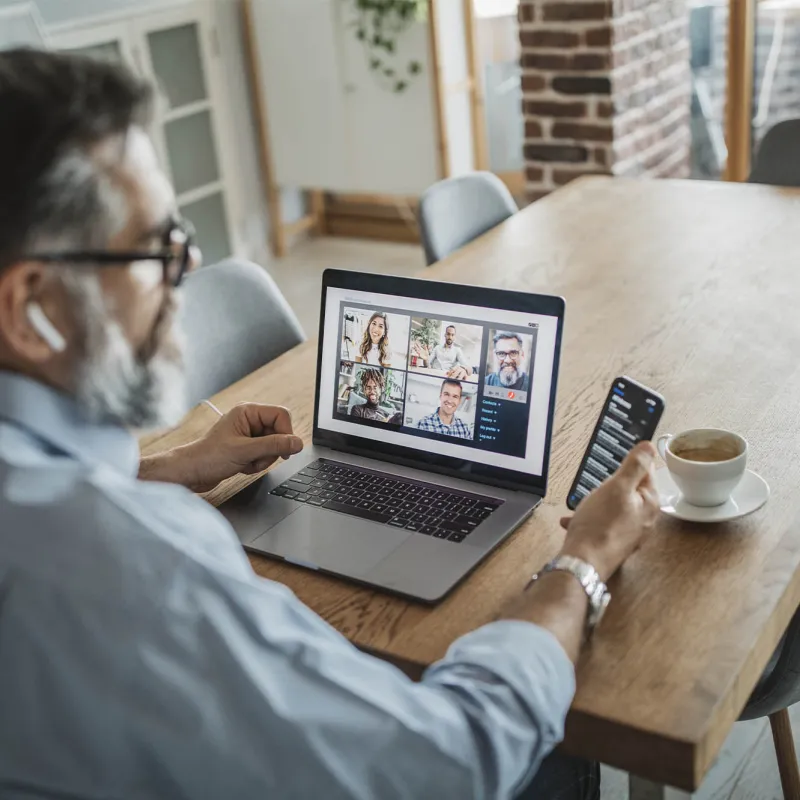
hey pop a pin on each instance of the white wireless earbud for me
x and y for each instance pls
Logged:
(45, 328)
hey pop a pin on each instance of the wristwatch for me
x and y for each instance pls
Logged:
(596, 590)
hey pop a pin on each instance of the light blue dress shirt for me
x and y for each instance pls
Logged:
(141, 657)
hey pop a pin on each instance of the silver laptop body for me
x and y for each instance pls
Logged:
(418, 470)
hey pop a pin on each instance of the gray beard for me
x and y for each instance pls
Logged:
(111, 383)
(508, 377)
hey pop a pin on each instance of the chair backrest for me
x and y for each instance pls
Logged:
(355, 399)
(778, 159)
(779, 685)
(455, 211)
(235, 320)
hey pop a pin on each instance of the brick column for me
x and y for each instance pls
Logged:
(606, 89)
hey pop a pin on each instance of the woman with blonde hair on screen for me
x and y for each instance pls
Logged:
(374, 347)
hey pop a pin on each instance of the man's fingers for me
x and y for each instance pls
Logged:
(651, 497)
(564, 522)
(261, 419)
(263, 448)
(637, 464)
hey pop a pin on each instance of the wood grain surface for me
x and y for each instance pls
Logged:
(693, 289)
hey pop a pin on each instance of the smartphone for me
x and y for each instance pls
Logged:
(630, 415)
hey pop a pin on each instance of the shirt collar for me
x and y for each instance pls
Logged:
(56, 419)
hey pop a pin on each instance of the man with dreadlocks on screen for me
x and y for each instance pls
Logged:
(371, 384)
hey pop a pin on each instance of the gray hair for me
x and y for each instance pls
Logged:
(63, 115)
(82, 206)
(507, 335)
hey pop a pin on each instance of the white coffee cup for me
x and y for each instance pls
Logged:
(705, 463)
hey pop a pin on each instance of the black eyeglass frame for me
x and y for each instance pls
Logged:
(174, 263)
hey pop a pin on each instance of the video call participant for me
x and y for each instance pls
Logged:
(371, 384)
(444, 419)
(374, 347)
(448, 357)
(509, 361)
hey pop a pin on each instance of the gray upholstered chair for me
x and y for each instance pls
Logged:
(235, 320)
(355, 399)
(455, 211)
(778, 159)
(778, 164)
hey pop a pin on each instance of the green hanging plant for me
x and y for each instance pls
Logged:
(427, 333)
(378, 26)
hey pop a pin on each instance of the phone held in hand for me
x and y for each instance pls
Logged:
(630, 414)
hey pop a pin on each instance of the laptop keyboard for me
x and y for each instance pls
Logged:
(388, 500)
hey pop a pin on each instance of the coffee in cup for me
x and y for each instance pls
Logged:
(706, 464)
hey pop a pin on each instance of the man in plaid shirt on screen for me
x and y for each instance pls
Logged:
(444, 419)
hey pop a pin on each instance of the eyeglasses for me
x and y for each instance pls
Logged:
(176, 256)
(504, 354)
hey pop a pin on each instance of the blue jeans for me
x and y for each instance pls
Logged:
(564, 778)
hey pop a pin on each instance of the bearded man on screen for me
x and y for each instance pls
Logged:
(371, 385)
(509, 359)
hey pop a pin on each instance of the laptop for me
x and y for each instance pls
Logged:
(433, 419)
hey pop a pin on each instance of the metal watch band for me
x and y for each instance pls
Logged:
(589, 579)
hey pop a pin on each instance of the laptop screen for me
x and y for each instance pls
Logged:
(471, 384)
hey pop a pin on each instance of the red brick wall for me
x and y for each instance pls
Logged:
(606, 89)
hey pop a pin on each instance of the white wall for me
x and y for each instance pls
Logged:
(254, 226)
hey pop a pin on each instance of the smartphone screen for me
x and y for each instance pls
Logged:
(630, 414)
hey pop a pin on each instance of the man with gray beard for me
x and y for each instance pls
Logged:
(140, 656)
(509, 359)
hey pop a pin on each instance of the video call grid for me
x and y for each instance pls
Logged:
(529, 334)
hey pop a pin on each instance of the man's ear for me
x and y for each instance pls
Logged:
(26, 327)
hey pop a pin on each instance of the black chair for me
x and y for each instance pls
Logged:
(778, 159)
(455, 211)
(777, 163)
(777, 689)
(235, 320)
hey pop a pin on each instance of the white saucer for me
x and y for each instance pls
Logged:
(748, 497)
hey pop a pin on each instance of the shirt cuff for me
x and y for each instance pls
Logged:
(526, 656)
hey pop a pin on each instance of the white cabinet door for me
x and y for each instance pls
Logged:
(300, 72)
(20, 26)
(176, 51)
(111, 42)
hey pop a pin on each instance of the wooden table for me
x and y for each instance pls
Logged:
(694, 289)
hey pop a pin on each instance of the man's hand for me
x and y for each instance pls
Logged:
(421, 351)
(607, 527)
(613, 520)
(459, 373)
(247, 440)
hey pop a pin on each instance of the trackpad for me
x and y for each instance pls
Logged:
(331, 541)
